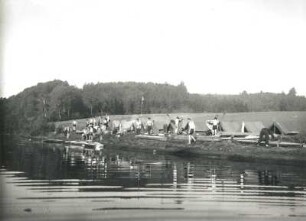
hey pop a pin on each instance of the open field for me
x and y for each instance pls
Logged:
(295, 120)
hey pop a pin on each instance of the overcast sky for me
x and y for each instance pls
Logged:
(214, 46)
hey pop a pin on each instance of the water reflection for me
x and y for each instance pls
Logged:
(152, 180)
(268, 178)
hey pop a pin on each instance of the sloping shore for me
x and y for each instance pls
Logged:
(227, 149)
(224, 149)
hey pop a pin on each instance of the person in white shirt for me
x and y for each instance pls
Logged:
(74, 124)
(149, 126)
(138, 126)
(177, 120)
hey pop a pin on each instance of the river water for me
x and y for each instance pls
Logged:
(53, 182)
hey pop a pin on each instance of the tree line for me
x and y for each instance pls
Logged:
(56, 100)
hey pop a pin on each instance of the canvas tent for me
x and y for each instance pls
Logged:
(127, 124)
(283, 128)
(253, 127)
(230, 126)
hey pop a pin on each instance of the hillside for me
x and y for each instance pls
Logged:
(56, 100)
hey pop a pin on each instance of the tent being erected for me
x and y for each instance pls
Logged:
(230, 126)
(127, 124)
(253, 127)
(283, 128)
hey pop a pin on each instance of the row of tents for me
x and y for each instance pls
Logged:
(254, 127)
(236, 128)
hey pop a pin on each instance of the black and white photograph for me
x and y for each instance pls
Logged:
(152, 110)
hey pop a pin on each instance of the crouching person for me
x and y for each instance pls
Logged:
(264, 135)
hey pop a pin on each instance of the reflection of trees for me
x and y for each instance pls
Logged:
(116, 168)
(91, 161)
(130, 169)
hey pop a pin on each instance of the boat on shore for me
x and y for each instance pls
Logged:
(77, 144)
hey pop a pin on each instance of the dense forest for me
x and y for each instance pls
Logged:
(57, 100)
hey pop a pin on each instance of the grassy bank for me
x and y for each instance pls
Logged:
(226, 149)
(294, 119)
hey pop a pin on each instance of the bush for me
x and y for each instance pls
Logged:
(40, 126)
(59, 129)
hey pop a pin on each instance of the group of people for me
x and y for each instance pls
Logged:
(102, 125)
(138, 126)
(175, 126)
(94, 127)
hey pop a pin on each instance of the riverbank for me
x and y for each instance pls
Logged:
(224, 149)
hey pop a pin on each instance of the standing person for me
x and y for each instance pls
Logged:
(67, 132)
(180, 125)
(94, 122)
(100, 133)
(177, 120)
(100, 121)
(169, 127)
(107, 120)
(149, 126)
(138, 126)
(190, 127)
(74, 124)
(215, 123)
(155, 130)
(85, 133)
(91, 122)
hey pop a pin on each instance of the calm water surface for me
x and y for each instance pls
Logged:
(44, 182)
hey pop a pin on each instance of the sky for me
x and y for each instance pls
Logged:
(213, 46)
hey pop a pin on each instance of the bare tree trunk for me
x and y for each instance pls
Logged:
(44, 101)
(68, 113)
(90, 110)
(59, 114)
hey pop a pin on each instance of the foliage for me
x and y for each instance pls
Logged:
(31, 110)
(65, 99)
(40, 126)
